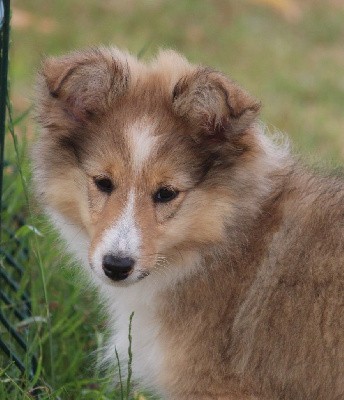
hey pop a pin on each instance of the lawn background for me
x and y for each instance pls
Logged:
(289, 54)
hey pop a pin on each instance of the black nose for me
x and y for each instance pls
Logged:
(117, 268)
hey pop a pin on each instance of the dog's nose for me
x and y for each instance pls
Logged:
(117, 268)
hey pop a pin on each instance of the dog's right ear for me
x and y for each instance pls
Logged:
(214, 105)
(80, 85)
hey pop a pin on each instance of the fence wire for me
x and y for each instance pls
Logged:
(16, 359)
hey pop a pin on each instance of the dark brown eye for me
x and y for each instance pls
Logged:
(165, 194)
(104, 184)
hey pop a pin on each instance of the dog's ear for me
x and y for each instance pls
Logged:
(214, 105)
(81, 84)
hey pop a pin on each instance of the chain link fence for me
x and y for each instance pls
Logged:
(17, 363)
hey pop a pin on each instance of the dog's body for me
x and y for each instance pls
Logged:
(230, 254)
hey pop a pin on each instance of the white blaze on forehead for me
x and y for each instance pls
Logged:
(123, 238)
(142, 142)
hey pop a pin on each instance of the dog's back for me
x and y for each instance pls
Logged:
(267, 316)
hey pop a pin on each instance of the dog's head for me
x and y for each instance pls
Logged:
(139, 156)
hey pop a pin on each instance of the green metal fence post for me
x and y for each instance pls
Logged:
(5, 35)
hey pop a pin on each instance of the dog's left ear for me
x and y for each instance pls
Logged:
(214, 105)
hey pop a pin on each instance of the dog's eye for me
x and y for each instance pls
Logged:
(165, 194)
(104, 184)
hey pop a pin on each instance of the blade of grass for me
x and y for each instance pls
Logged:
(35, 240)
(144, 49)
(22, 116)
(120, 374)
(15, 384)
(130, 356)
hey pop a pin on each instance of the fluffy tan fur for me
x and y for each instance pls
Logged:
(251, 305)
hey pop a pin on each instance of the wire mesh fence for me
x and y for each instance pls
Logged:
(17, 361)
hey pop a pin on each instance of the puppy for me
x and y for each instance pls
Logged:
(230, 254)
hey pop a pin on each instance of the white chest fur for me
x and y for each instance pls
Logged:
(146, 342)
(143, 299)
(140, 299)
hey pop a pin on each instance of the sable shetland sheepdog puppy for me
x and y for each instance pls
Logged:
(230, 254)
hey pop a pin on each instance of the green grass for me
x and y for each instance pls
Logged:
(290, 58)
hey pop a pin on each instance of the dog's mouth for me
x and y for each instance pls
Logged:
(142, 275)
(131, 279)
